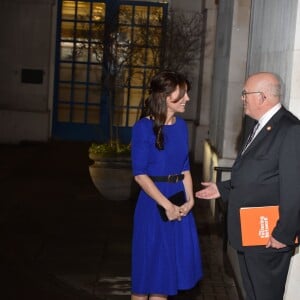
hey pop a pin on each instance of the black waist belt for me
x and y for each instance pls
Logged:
(170, 178)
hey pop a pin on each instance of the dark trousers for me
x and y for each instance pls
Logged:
(264, 273)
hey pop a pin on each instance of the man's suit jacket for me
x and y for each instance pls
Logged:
(268, 173)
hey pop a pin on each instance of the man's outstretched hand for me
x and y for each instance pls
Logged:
(210, 191)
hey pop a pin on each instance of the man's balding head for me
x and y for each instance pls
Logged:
(262, 92)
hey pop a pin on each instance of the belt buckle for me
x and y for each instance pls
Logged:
(173, 178)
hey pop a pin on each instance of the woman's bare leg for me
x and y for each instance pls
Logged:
(139, 297)
(151, 297)
(158, 297)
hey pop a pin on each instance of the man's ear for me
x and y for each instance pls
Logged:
(263, 98)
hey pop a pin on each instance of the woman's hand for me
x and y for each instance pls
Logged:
(173, 213)
(186, 208)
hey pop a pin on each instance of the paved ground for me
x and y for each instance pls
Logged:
(61, 241)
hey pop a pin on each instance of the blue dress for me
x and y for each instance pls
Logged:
(165, 255)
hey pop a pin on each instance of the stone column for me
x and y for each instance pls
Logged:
(228, 77)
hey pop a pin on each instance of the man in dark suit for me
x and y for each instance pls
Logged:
(265, 172)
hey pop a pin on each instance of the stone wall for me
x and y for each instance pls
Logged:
(25, 58)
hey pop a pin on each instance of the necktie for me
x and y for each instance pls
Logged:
(250, 137)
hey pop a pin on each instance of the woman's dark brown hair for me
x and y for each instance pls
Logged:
(163, 85)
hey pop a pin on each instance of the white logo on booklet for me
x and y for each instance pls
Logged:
(264, 227)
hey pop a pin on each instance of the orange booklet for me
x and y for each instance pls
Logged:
(257, 224)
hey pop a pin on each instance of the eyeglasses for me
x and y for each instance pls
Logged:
(244, 94)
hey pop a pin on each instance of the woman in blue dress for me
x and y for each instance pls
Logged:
(165, 252)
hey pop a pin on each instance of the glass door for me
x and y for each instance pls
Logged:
(106, 53)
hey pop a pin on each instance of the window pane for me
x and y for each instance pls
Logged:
(126, 12)
(63, 114)
(68, 10)
(98, 13)
(64, 92)
(140, 36)
(133, 116)
(156, 16)
(119, 116)
(96, 53)
(95, 74)
(135, 97)
(137, 77)
(141, 15)
(80, 72)
(94, 94)
(97, 32)
(93, 115)
(78, 113)
(138, 56)
(66, 51)
(149, 74)
(154, 36)
(79, 93)
(81, 53)
(67, 30)
(120, 96)
(83, 10)
(124, 36)
(153, 57)
(82, 31)
(65, 72)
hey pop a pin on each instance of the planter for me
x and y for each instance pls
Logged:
(112, 176)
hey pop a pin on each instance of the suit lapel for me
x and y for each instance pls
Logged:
(265, 131)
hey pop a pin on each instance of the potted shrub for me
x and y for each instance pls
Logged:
(112, 151)
(111, 170)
